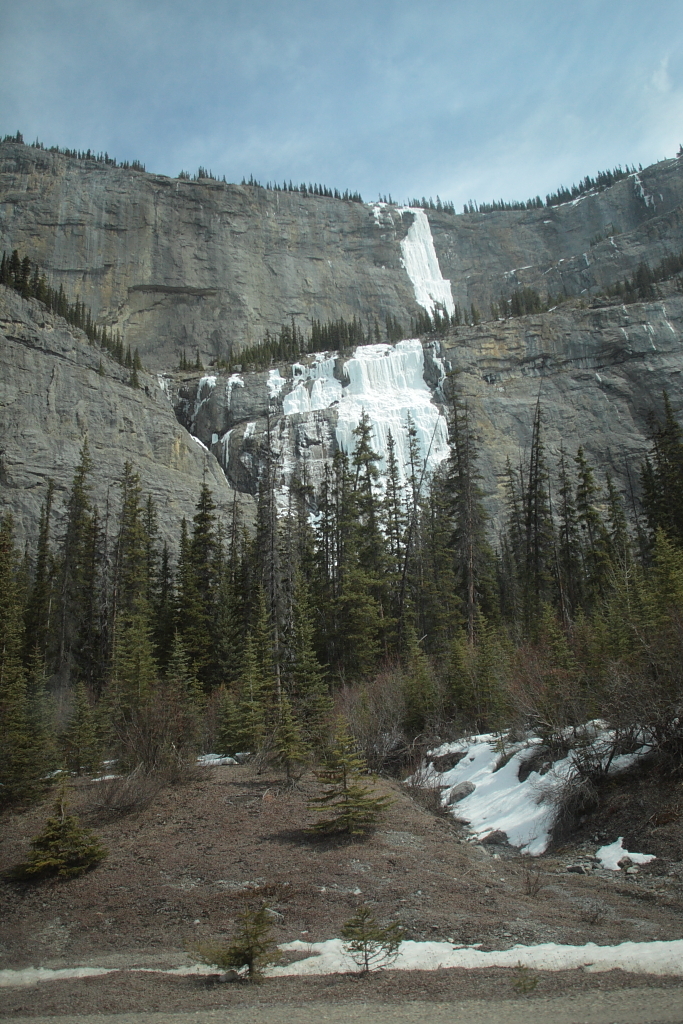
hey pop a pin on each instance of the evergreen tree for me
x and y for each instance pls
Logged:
(350, 806)
(79, 741)
(63, 849)
(20, 758)
(291, 750)
(370, 946)
(307, 686)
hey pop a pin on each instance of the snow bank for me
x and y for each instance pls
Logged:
(211, 760)
(496, 799)
(657, 958)
(35, 975)
(660, 958)
(609, 856)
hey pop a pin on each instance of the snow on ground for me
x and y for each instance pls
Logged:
(662, 958)
(609, 856)
(199, 442)
(213, 760)
(422, 266)
(484, 789)
(658, 958)
(35, 975)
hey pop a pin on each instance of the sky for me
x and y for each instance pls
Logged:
(464, 99)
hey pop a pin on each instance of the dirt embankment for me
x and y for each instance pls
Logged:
(180, 868)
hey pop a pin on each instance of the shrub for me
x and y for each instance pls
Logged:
(64, 848)
(252, 946)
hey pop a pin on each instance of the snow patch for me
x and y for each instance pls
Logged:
(212, 760)
(609, 856)
(659, 958)
(641, 193)
(499, 801)
(35, 975)
(199, 442)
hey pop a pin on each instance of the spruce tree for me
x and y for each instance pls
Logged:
(19, 772)
(349, 806)
(371, 946)
(63, 849)
(80, 744)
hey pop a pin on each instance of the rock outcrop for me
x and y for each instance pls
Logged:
(56, 390)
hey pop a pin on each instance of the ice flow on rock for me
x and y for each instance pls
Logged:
(386, 382)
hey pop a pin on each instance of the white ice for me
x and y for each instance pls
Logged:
(659, 958)
(199, 442)
(609, 856)
(316, 387)
(233, 381)
(422, 266)
(387, 383)
(275, 383)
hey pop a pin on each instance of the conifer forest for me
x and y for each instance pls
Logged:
(393, 607)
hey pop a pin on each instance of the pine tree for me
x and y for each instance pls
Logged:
(291, 750)
(252, 945)
(350, 807)
(20, 768)
(370, 946)
(64, 849)
(79, 741)
(307, 687)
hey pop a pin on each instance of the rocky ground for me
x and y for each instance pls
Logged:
(184, 860)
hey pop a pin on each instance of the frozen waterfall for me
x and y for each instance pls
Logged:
(387, 383)
(422, 265)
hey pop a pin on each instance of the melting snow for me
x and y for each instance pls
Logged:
(609, 856)
(212, 760)
(657, 958)
(661, 958)
(422, 265)
(496, 800)
(34, 975)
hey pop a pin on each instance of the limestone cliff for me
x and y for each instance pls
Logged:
(203, 265)
(55, 391)
(179, 264)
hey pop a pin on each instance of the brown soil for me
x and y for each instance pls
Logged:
(180, 869)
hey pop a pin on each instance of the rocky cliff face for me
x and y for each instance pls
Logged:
(598, 373)
(55, 391)
(175, 264)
